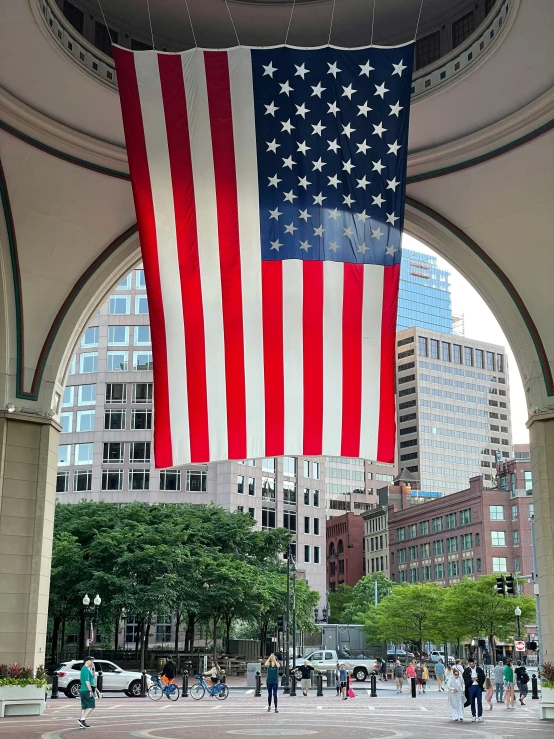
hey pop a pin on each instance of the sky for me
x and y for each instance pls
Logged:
(481, 324)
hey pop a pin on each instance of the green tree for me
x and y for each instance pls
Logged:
(409, 613)
(362, 596)
(339, 601)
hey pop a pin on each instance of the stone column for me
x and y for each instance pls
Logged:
(541, 430)
(28, 464)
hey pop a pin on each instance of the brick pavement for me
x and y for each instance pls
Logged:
(243, 715)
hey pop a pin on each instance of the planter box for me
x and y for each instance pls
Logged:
(28, 700)
(546, 705)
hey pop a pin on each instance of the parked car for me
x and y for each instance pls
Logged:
(327, 660)
(114, 678)
(436, 655)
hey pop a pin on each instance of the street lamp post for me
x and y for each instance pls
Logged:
(92, 613)
(286, 680)
(518, 617)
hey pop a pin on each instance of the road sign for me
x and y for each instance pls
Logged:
(520, 646)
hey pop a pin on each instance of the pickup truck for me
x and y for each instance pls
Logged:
(327, 660)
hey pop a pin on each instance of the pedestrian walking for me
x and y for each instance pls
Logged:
(456, 694)
(272, 681)
(419, 678)
(439, 673)
(398, 674)
(522, 678)
(488, 694)
(424, 676)
(87, 691)
(306, 672)
(337, 679)
(474, 680)
(509, 694)
(343, 675)
(410, 670)
(383, 670)
(499, 680)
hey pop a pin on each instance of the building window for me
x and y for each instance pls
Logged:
(465, 517)
(113, 452)
(289, 466)
(452, 544)
(62, 482)
(140, 282)
(112, 479)
(141, 305)
(413, 574)
(478, 565)
(434, 347)
(317, 555)
(142, 361)
(142, 392)
(240, 484)
(500, 363)
(479, 358)
(498, 538)
(412, 531)
(268, 518)
(315, 470)
(467, 567)
(251, 486)
(316, 526)
(289, 492)
(82, 480)
(528, 482)
(88, 362)
(117, 361)
(119, 305)
(289, 521)
(85, 420)
(125, 283)
(90, 337)
(268, 488)
(468, 356)
(425, 550)
(306, 524)
(118, 335)
(516, 538)
(170, 480)
(66, 422)
(64, 455)
(456, 353)
(467, 541)
(437, 524)
(139, 479)
(139, 452)
(307, 554)
(401, 556)
(462, 29)
(116, 392)
(306, 468)
(490, 361)
(438, 547)
(67, 400)
(412, 553)
(499, 564)
(196, 481)
(514, 512)
(427, 49)
(424, 528)
(517, 564)
(422, 346)
(306, 496)
(445, 351)
(142, 336)
(450, 521)
(84, 453)
(496, 512)
(114, 420)
(74, 15)
(163, 628)
(439, 571)
(453, 568)
(131, 630)
(316, 498)
(401, 534)
(141, 420)
(86, 395)
(268, 464)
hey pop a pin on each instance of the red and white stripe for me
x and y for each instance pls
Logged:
(251, 359)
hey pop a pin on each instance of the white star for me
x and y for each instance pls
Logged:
(318, 199)
(301, 110)
(334, 214)
(304, 246)
(334, 246)
(390, 250)
(275, 214)
(399, 68)
(363, 216)
(363, 147)
(364, 109)
(317, 90)
(348, 166)
(378, 200)
(347, 130)
(348, 91)
(303, 147)
(377, 166)
(304, 215)
(269, 69)
(333, 108)
(303, 182)
(318, 128)
(290, 229)
(333, 69)
(287, 126)
(347, 200)
(273, 181)
(377, 233)
(286, 88)
(391, 218)
(290, 196)
(319, 231)
(393, 148)
(363, 183)
(272, 146)
(348, 232)
(392, 184)
(319, 164)
(276, 245)
(270, 109)
(333, 145)
(362, 248)
(366, 68)
(395, 109)
(381, 90)
(334, 180)
(379, 130)
(288, 162)
(301, 71)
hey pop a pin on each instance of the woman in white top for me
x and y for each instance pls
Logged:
(456, 694)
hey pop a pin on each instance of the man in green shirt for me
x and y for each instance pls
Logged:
(88, 691)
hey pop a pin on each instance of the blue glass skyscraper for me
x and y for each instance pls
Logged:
(424, 299)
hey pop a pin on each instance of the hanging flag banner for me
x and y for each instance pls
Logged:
(269, 186)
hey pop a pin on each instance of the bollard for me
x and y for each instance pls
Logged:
(143, 684)
(534, 688)
(319, 684)
(258, 691)
(185, 690)
(413, 687)
(100, 681)
(54, 694)
(293, 685)
(373, 693)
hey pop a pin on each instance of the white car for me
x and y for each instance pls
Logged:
(114, 678)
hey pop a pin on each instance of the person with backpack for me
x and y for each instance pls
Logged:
(169, 672)
(398, 674)
(419, 678)
(522, 678)
(424, 676)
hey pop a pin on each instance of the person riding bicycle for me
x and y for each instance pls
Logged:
(169, 672)
(213, 676)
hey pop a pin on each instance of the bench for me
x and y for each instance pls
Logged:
(22, 707)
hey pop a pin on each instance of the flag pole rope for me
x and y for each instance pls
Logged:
(331, 24)
(191, 26)
(418, 19)
(290, 21)
(232, 22)
(150, 22)
(105, 22)
(372, 21)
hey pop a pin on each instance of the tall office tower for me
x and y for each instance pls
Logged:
(453, 405)
(424, 298)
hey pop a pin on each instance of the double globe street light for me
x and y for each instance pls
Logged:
(92, 613)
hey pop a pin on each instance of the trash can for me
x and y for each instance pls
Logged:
(251, 669)
(160, 662)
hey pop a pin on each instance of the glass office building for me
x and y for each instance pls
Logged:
(424, 298)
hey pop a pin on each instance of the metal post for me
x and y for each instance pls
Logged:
(373, 679)
(185, 690)
(222, 678)
(518, 627)
(258, 691)
(293, 684)
(534, 688)
(286, 635)
(294, 618)
(413, 687)
(143, 684)
(319, 685)
(54, 694)
(100, 681)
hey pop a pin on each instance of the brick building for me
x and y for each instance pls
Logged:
(345, 550)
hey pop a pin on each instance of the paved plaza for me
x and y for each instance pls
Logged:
(243, 714)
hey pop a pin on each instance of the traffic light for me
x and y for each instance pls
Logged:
(280, 623)
(532, 646)
(500, 585)
(510, 585)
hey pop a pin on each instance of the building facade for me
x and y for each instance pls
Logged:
(345, 550)
(376, 538)
(453, 406)
(424, 297)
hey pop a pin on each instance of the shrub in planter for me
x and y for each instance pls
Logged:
(546, 673)
(19, 676)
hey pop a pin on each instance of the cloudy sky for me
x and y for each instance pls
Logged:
(481, 324)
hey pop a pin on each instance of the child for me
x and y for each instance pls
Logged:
(488, 694)
(343, 674)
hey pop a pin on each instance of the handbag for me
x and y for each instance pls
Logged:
(351, 693)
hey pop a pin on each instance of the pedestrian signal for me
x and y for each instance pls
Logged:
(280, 623)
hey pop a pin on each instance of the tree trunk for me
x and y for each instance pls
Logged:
(191, 625)
(144, 644)
(177, 626)
(116, 636)
(62, 642)
(216, 621)
(55, 637)
(228, 622)
(138, 637)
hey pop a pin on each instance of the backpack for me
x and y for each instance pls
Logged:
(524, 678)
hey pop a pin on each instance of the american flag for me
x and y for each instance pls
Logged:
(269, 188)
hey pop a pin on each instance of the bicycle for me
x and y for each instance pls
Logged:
(219, 690)
(157, 689)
